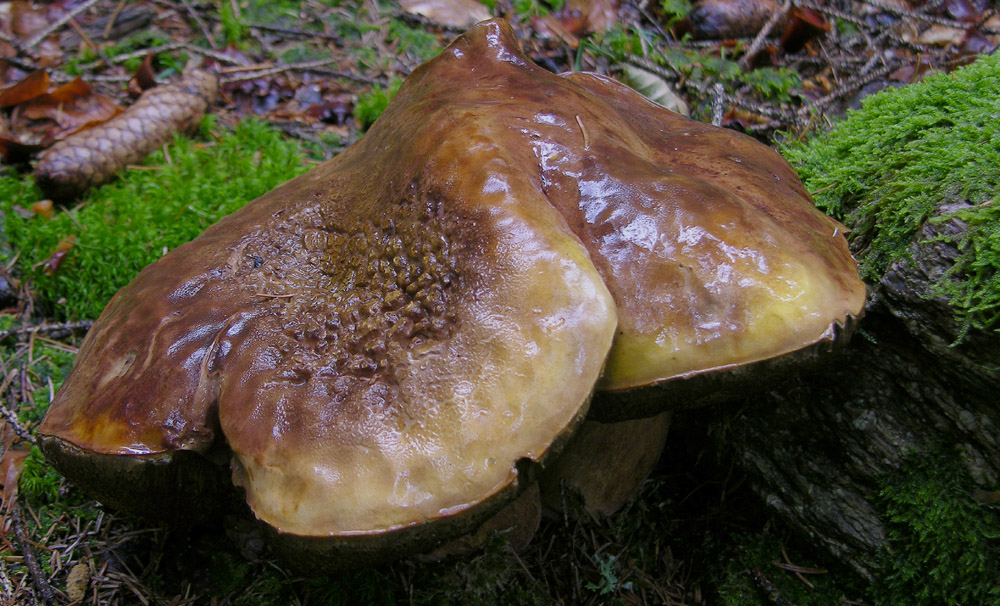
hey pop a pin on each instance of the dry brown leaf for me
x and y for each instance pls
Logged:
(144, 77)
(10, 470)
(26, 21)
(44, 208)
(577, 19)
(460, 14)
(57, 257)
(940, 35)
(598, 15)
(68, 109)
(35, 84)
(804, 25)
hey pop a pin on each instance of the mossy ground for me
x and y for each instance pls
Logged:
(909, 156)
(695, 534)
(122, 227)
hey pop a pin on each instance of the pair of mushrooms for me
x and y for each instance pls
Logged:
(382, 352)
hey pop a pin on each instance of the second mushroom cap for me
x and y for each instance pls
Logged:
(379, 348)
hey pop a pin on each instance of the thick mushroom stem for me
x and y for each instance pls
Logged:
(604, 464)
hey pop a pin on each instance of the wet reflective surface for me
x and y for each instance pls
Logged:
(380, 340)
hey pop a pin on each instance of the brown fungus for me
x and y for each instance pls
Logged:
(380, 350)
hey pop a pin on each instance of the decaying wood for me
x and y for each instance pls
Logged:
(816, 450)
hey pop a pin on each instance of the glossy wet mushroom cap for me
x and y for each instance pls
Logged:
(380, 348)
(382, 343)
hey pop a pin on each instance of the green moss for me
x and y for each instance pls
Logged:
(122, 227)
(413, 40)
(482, 579)
(755, 576)
(943, 547)
(371, 104)
(674, 10)
(888, 168)
(38, 482)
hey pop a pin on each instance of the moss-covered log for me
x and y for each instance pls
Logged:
(829, 452)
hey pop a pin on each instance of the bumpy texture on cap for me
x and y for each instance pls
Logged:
(382, 340)
(379, 342)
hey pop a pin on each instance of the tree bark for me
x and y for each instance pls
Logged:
(817, 449)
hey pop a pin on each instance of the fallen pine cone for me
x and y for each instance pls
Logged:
(95, 156)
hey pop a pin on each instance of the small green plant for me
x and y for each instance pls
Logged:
(536, 8)
(773, 83)
(674, 10)
(275, 12)
(943, 547)
(609, 583)
(232, 28)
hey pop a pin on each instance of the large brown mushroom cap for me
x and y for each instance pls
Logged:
(707, 239)
(380, 341)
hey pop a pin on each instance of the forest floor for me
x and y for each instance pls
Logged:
(320, 71)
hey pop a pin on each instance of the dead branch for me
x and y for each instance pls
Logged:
(38, 577)
(57, 329)
(55, 25)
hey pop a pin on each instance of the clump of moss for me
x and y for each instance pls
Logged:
(372, 103)
(943, 546)
(413, 40)
(909, 153)
(122, 227)
(760, 574)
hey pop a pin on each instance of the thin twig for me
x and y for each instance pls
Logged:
(291, 31)
(90, 43)
(263, 71)
(718, 100)
(237, 60)
(922, 16)
(852, 85)
(142, 52)
(62, 327)
(762, 35)
(114, 17)
(420, 20)
(30, 558)
(854, 19)
(16, 425)
(654, 22)
(45, 33)
(20, 47)
(201, 24)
